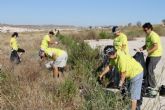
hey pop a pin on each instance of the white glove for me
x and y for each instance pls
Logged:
(56, 42)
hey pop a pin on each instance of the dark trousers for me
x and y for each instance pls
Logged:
(151, 63)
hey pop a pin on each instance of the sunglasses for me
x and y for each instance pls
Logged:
(145, 30)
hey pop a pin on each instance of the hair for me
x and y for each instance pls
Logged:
(51, 32)
(148, 26)
(115, 28)
(14, 34)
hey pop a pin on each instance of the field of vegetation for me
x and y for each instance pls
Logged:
(31, 86)
(132, 32)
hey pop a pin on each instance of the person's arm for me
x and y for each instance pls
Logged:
(124, 44)
(52, 42)
(123, 47)
(153, 48)
(122, 79)
(142, 48)
(123, 67)
(105, 71)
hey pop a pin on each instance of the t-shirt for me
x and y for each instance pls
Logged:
(126, 64)
(119, 41)
(51, 51)
(13, 43)
(150, 40)
(44, 44)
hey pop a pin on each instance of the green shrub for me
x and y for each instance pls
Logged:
(103, 35)
(83, 60)
(160, 30)
(67, 90)
(2, 76)
(30, 87)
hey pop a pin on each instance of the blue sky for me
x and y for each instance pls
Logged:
(81, 12)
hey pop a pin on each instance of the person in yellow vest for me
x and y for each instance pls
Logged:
(58, 59)
(16, 52)
(128, 68)
(154, 49)
(120, 42)
(46, 41)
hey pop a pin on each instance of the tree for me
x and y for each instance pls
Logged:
(163, 21)
(90, 27)
(129, 24)
(139, 24)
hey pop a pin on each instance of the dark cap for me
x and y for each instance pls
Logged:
(109, 50)
(115, 29)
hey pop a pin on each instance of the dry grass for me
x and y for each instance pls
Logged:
(28, 86)
(132, 32)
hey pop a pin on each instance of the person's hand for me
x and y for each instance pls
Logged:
(120, 85)
(141, 49)
(56, 43)
(137, 50)
(100, 77)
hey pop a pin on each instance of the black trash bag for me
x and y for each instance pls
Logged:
(139, 56)
(14, 57)
(162, 90)
(113, 75)
(104, 63)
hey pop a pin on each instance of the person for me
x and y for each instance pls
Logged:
(120, 42)
(154, 49)
(58, 60)
(129, 69)
(16, 52)
(46, 41)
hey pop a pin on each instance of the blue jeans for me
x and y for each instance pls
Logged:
(135, 87)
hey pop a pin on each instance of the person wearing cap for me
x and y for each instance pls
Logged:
(58, 59)
(154, 49)
(47, 40)
(120, 42)
(129, 69)
(16, 52)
